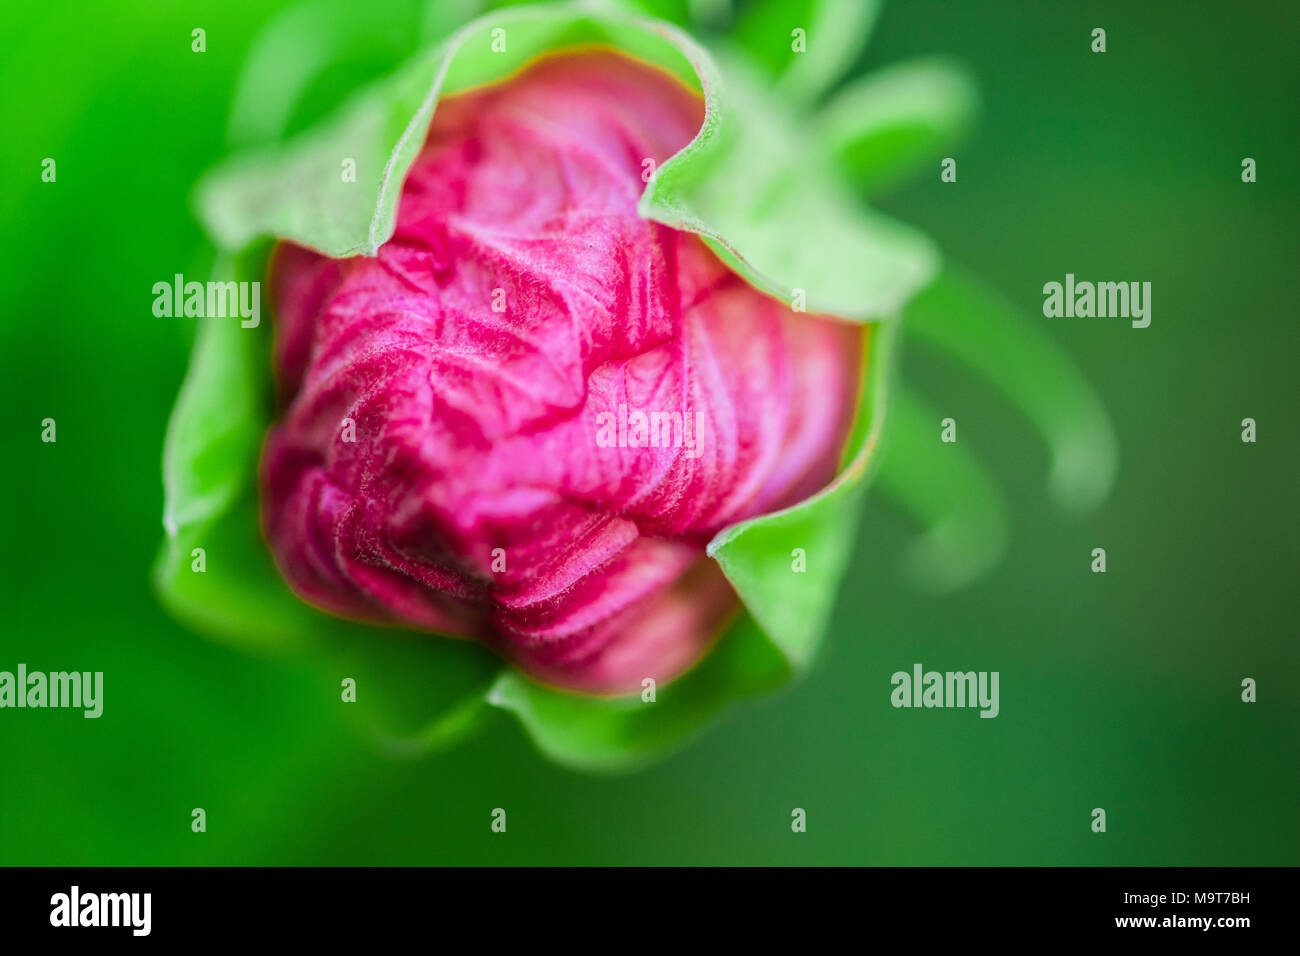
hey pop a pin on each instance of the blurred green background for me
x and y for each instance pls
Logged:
(1119, 691)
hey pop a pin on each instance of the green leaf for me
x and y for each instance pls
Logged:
(679, 12)
(941, 485)
(210, 459)
(834, 33)
(318, 43)
(892, 121)
(959, 315)
(757, 555)
(749, 184)
(621, 734)
(949, 494)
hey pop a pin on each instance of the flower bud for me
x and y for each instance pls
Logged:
(523, 420)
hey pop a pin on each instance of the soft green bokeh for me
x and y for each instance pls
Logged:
(1119, 691)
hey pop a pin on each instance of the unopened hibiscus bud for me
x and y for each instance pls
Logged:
(522, 421)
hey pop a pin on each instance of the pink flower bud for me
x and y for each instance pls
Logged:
(522, 421)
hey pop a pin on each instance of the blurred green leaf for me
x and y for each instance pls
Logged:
(945, 489)
(890, 122)
(679, 12)
(804, 46)
(960, 315)
(316, 44)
